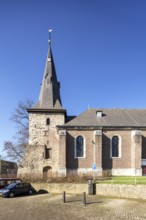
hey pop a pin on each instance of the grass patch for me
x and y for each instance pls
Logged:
(128, 180)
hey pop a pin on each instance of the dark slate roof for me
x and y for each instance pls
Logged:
(50, 89)
(110, 118)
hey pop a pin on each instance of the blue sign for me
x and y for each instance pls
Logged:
(94, 166)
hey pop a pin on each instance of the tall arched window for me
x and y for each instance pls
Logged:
(115, 146)
(79, 147)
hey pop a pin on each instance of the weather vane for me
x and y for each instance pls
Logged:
(50, 30)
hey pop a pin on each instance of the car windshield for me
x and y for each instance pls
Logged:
(10, 186)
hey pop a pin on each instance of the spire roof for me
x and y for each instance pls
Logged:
(49, 97)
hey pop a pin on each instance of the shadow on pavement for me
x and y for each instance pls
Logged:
(42, 191)
(90, 203)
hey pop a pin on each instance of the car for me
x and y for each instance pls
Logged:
(15, 189)
(6, 181)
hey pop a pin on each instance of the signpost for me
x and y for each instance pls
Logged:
(94, 168)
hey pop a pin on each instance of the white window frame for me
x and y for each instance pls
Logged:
(120, 144)
(84, 147)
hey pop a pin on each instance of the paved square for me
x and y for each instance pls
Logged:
(50, 206)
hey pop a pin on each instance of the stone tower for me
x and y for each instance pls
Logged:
(42, 156)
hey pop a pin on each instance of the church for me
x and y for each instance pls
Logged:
(94, 142)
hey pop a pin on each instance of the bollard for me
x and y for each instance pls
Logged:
(90, 186)
(63, 197)
(84, 198)
(94, 188)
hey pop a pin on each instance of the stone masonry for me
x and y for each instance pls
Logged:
(41, 136)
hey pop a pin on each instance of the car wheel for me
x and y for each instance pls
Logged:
(30, 192)
(11, 194)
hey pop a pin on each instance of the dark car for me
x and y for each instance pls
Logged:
(15, 189)
(6, 181)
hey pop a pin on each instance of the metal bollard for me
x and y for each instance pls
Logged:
(90, 186)
(84, 198)
(64, 197)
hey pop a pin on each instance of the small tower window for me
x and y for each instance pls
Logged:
(46, 75)
(48, 121)
(48, 153)
(51, 79)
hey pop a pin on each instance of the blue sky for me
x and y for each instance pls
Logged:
(99, 48)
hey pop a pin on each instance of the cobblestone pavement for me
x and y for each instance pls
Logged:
(51, 207)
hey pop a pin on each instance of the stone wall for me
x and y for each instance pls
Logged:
(39, 131)
(42, 136)
(34, 161)
(120, 191)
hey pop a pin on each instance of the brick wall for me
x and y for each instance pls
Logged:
(130, 154)
(125, 160)
(107, 162)
(75, 163)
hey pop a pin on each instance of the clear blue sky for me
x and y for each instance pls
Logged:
(99, 48)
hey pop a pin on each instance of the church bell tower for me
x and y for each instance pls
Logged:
(42, 156)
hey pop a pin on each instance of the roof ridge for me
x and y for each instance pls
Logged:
(123, 109)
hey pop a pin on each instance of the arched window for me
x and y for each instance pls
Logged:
(115, 146)
(79, 147)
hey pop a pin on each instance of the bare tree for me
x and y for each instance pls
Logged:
(15, 149)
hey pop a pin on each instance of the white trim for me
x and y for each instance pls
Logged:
(84, 145)
(126, 172)
(143, 162)
(62, 172)
(136, 132)
(97, 171)
(62, 132)
(98, 132)
(120, 146)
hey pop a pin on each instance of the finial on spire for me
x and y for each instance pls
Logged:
(50, 30)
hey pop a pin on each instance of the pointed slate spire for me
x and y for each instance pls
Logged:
(49, 97)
